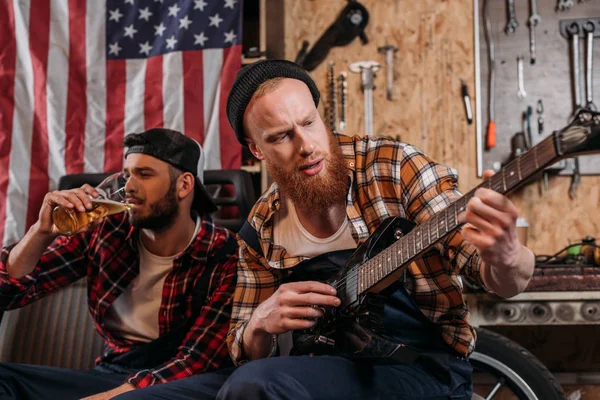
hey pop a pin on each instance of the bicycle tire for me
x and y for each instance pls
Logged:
(523, 373)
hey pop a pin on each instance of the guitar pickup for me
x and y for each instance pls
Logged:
(324, 340)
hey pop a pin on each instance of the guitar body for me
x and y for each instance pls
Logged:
(354, 329)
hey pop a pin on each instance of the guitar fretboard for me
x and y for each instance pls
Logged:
(425, 235)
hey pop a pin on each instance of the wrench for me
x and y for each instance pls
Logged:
(512, 24)
(573, 30)
(589, 65)
(564, 5)
(367, 70)
(521, 93)
(388, 51)
(534, 20)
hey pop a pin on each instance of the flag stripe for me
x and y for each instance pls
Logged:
(173, 91)
(213, 62)
(39, 27)
(56, 97)
(115, 115)
(95, 121)
(135, 71)
(153, 94)
(20, 152)
(193, 89)
(8, 56)
(76, 109)
(231, 159)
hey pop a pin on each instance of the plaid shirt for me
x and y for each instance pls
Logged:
(108, 257)
(387, 178)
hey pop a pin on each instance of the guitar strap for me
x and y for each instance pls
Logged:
(250, 236)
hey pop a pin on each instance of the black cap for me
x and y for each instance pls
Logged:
(180, 151)
(250, 78)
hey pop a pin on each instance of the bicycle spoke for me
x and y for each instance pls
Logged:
(495, 389)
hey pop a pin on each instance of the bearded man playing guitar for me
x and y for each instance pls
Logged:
(331, 193)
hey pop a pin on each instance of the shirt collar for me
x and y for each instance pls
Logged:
(196, 249)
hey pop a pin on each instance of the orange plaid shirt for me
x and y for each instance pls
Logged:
(387, 178)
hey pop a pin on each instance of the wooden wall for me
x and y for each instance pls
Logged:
(435, 38)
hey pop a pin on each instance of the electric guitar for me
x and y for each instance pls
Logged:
(355, 328)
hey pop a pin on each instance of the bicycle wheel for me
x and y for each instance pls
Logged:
(512, 369)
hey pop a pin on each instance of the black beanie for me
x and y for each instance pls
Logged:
(251, 77)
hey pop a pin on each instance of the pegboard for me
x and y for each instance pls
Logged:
(549, 79)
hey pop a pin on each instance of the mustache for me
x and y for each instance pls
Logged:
(129, 198)
(316, 159)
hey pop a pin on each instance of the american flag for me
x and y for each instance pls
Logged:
(77, 75)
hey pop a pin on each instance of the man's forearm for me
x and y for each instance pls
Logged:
(257, 342)
(510, 281)
(25, 255)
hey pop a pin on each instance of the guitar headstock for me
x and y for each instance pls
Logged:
(581, 136)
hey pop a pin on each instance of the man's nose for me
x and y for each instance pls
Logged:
(130, 185)
(307, 145)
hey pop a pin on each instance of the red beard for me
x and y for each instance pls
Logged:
(317, 192)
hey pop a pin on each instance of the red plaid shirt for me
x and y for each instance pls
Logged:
(107, 256)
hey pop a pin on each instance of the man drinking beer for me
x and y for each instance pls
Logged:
(160, 276)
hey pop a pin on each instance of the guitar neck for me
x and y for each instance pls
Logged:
(388, 263)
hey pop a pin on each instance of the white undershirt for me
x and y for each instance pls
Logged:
(134, 314)
(297, 241)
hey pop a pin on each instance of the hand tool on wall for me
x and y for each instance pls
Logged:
(589, 29)
(540, 120)
(521, 93)
(524, 123)
(534, 20)
(518, 145)
(490, 138)
(527, 116)
(350, 23)
(563, 5)
(467, 102)
(367, 70)
(388, 51)
(511, 17)
(343, 99)
(573, 30)
(332, 100)
(575, 180)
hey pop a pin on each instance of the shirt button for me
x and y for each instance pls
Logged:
(164, 313)
(275, 204)
(351, 164)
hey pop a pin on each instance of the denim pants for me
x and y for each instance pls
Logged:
(33, 382)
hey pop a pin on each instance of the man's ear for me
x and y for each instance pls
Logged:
(255, 150)
(186, 185)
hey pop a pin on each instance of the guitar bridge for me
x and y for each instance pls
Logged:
(324, 340)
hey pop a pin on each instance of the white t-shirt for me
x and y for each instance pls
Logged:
(134, 314)
(297, 241)
(289, 233)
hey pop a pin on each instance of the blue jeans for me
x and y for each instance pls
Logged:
(323, 377)
(32, 382)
